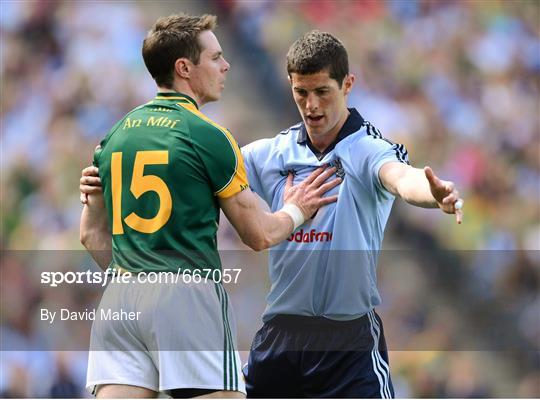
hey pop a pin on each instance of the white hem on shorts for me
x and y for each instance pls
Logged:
(91, 386)
(186, 386)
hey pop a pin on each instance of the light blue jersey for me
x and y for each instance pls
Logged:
(327, 267)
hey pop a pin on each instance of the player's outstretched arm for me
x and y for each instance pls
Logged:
(95, 235)
(422, 188)
(260, 229)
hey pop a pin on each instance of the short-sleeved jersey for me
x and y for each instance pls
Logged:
(163, 167)
(327, 267)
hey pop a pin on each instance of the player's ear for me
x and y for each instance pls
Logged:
(348, 83)
(182, 66)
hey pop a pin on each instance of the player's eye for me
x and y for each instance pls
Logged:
(321, 92)
(301, 92)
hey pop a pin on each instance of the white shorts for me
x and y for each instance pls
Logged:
(177, 336)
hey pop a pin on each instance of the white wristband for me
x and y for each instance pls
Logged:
(295, 213)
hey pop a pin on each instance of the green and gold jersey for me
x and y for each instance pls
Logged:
(163, 167)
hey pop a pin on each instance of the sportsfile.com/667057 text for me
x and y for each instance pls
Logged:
(56, 278)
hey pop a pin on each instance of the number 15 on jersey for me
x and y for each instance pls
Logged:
(140, 184)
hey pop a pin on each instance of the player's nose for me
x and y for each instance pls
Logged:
(312, 103)
(226, 66)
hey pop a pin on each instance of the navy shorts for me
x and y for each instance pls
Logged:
(298, 356)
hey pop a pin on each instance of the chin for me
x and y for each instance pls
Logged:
(316, 130)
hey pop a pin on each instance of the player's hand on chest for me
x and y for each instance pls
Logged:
(300, 173)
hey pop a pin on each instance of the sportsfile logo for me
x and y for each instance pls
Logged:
(310, 237)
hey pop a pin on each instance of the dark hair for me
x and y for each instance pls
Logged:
(317, 51)
(171, 38)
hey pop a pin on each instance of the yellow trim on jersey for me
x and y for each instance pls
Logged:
(238, 180)
(171, 98)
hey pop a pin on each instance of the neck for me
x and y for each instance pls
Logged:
(322, 141)
(182, 87)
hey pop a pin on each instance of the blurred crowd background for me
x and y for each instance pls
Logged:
(456, 81)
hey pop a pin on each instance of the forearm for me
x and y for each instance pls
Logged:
(259, 228)
(413, 187)
(95, 235)
(421, 188)
(256, 225)
(269, 230)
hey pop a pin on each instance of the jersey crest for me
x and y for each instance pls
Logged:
(340, 171)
